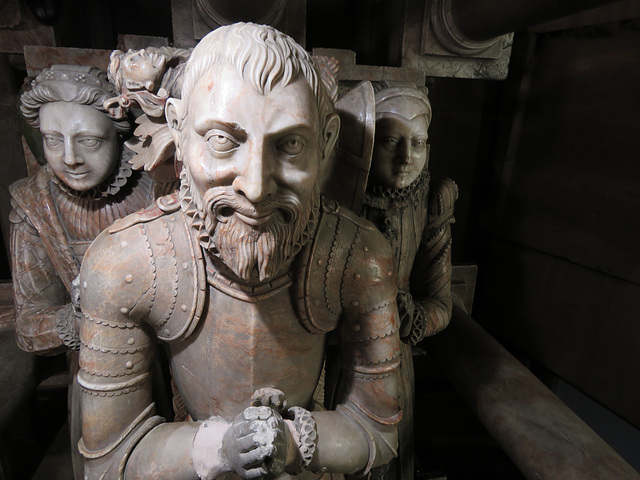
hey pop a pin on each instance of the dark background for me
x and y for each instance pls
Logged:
(548, 165)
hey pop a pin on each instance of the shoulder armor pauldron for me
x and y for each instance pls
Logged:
(326, 263)
(163, 206)
(161, 277)
(181, 285)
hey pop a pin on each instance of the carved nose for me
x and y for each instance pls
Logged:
(255, 182)
(70, 157)
(404, 152)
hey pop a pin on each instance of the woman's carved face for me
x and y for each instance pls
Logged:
(80, 143)
(400, 150)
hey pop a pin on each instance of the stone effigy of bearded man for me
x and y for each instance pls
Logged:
(255, 215)
(241, 275)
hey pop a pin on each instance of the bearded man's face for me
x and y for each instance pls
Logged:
(252, 163)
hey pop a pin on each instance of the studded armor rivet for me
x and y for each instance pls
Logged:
(129, 364)
(320, 262)
(124, 244)
(354, 303)
(183, 307)
(84, 284)
(357, 276)
(356, 327)
(365, 248)
(185, 265)
(128, 278)
(124, 310)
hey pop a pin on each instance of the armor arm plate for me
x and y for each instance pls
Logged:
(40, 296)
(117, 351)
(370, 350)
(122, 437)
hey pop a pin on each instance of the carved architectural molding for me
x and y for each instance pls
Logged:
(193, 19)
(450, 36)
(434, 44)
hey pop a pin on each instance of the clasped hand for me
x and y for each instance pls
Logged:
(255, 445)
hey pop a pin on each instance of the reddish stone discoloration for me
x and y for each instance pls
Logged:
(38, 58)
(246, 318)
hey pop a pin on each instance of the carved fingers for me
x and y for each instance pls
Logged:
(255, 445)
(406, 309)
(270, 397)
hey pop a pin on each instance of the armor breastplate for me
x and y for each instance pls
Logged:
(241, 346)
(223, 346)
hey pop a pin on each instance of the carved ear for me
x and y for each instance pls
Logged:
(174, 112)
(330, 135)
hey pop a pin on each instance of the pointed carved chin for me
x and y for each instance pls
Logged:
(253, 253)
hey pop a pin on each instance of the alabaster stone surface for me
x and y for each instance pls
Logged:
(241, 276)
(86, 184)
(414, 214)
(144, 79)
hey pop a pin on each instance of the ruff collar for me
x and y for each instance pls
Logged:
(391, 198)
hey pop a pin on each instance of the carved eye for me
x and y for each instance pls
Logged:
(220, 142)
(390, 143)
(418, 143)
(52, 142)
(90, 142)
(291, 145)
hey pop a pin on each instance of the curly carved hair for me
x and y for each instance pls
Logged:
(262, 55)
(78, 84)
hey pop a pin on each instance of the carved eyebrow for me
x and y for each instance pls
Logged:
(230, 127)
(302, 129)
(49, 132)
(90, 132)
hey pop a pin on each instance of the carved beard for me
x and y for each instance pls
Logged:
(252, 251)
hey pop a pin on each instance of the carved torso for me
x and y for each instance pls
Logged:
(401, 215)
(149, 278)
(241, 347)
(51, 231)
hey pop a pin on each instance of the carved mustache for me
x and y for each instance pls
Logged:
(223, 202)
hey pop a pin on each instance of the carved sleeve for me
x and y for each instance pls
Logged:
(40, 296)
(370, 352)
(116, 357)
(431, 274)
(122, 437)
